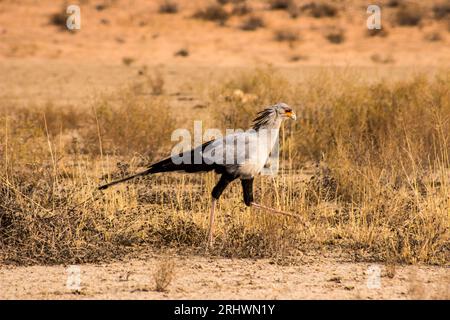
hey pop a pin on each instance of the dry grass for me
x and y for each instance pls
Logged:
(384, 59)
(156, 82)
(163, 275)
(379, 190)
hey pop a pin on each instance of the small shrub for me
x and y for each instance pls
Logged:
(441, 11)
(393, 3)
(433, 36)
(163, 275)
(377, 58)
(182, 53)
(321, 9)
(409, 15)
(101, 6)
(157, 83)
(168, 7)
(294, 11)
(213, 12)
(59, 19)
(335, 36)
(377, 32)
(224, 2)
(298, 57)
(128, 61)
(253, 23)
(280, 4)
(286, 35)
(241, 9)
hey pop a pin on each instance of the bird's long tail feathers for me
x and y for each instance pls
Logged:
(106, 186)
(167, 165)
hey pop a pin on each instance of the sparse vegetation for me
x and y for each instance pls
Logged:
(335, 36)
(378, 58)
(280, 4)
(441, 10)
(286, 35)
(298, 57)
(294, 11)
(59, 19)
(253, 23)
(182, 53)
(320, 9)
(213, 12)
(433, 36)
(409, 15)
(168, 6)
(163, 275)
(393, 3)
(128, 61)
(377, 32)
(241, 9)
(101, 6)
(157, 82)
(224, 2)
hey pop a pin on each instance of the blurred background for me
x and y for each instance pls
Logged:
(120, 40)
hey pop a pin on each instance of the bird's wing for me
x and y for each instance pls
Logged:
(272, 164)
(232, 150)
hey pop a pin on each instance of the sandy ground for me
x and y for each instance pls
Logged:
(134, 30)
(203, 277)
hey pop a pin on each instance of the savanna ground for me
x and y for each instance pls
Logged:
(366, 166)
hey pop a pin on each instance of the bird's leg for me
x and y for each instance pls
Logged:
(224, 180)
(211, 223)
(247, 188)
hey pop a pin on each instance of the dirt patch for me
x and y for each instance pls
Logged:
(200, 277)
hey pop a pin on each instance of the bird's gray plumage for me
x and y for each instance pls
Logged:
(244, 154)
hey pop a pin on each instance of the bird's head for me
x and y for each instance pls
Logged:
(270, 115)
(284, 111)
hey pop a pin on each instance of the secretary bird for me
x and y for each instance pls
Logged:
(241, 155)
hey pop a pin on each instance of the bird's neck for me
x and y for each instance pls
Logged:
(272, 124)
(269, 132)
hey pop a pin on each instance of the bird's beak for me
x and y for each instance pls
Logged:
(291, 114)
